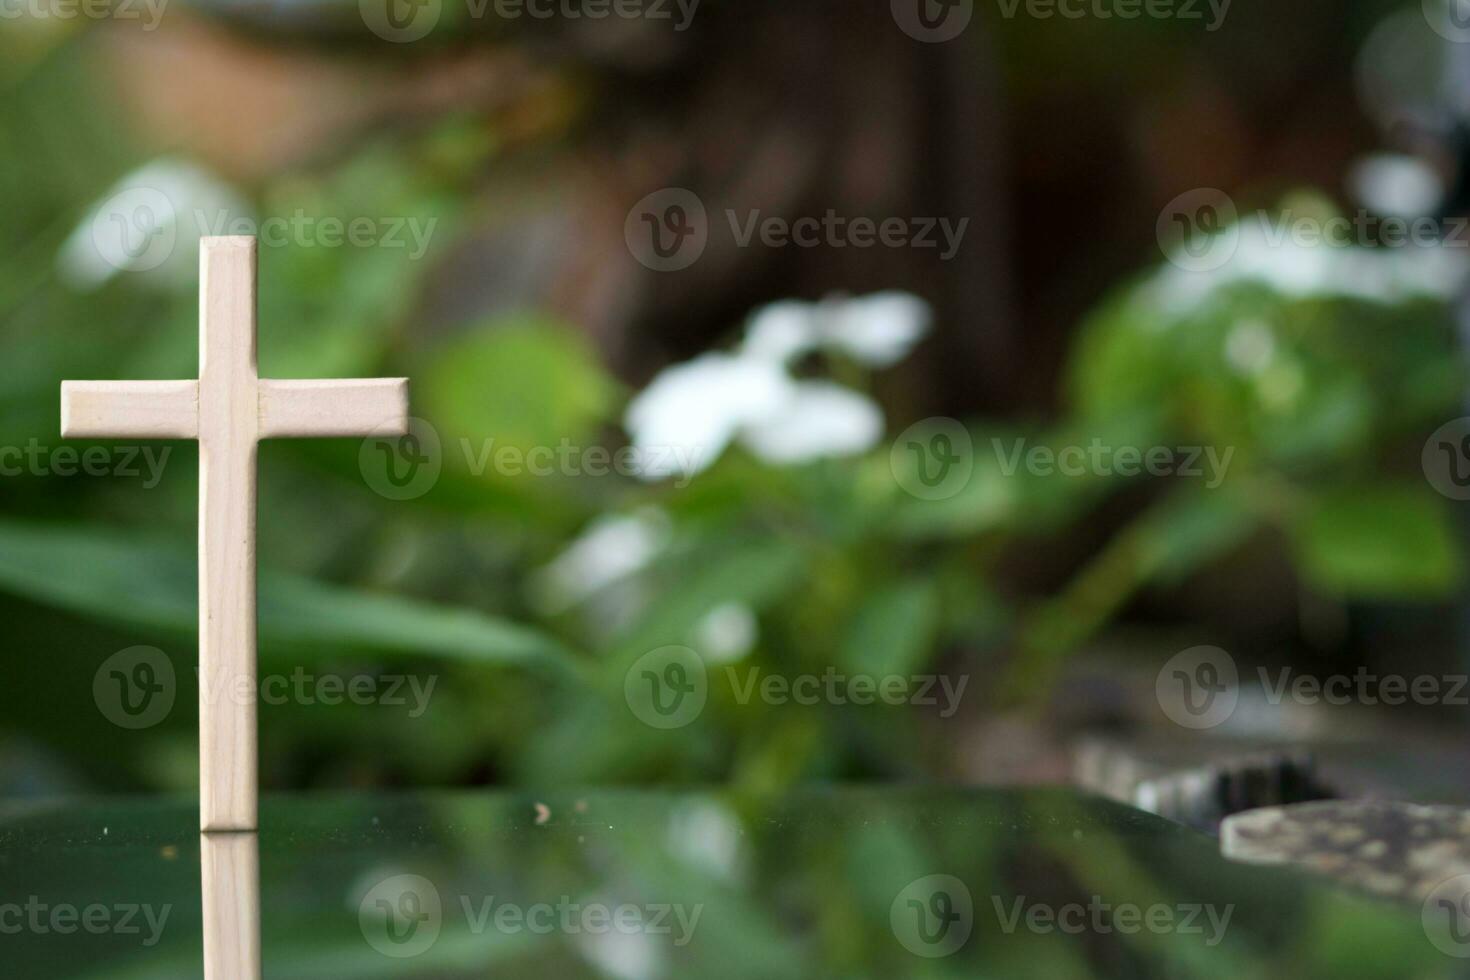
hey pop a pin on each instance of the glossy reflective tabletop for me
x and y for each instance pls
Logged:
(623, 884)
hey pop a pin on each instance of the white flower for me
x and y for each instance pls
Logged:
(622, 955)
(1267, 250)
(686, 418)
(877, 331)
(707, 836)
(819, 419)
(692, 412)
(726, 633)
(611, 549)
(149, 223)
(1397, 185)
(781, 332)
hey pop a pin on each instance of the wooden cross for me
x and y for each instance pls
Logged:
(228, 410)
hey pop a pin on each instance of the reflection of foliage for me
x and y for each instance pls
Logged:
(804, 885)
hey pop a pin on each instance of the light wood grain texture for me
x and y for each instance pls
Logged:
(131, 409)
(351, 407)
(229, 427)
(229, 875)
(229, 410)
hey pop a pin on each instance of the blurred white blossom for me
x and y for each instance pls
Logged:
(727, 632)
(708, 836)
(149, 224)
(877, 331)
(818, 419)
(1397, 185)
(608, 551)
(691, 413)
(621, 955)
(1267, 251)
(781, 332)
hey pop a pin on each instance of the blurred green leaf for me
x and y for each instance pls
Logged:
(1378, 542)
(100, 573)
(893, 631)
(525, 382)
(717, 572)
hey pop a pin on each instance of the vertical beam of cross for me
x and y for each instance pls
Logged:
(229, 409)
(229, 879)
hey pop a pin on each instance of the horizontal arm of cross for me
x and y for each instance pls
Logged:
(287, 409)
(130, 409)
(338, 407)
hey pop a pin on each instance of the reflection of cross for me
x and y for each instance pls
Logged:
(229, 409)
